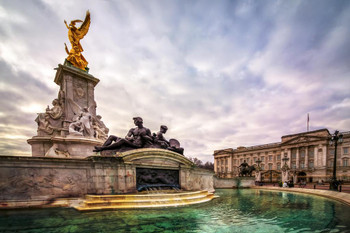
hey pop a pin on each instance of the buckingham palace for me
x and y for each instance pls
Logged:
(309, 156)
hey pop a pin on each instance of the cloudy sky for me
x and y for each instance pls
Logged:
(219, 74)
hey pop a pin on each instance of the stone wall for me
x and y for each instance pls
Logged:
(196, 179)
(39, 180)
(235, 182)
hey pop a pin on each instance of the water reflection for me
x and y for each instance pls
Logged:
(242, 210)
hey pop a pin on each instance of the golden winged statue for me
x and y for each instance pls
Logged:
(75, 35)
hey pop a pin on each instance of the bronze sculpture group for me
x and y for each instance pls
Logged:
(140, 137)
(245, 169)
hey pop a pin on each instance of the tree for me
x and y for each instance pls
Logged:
(200, 164)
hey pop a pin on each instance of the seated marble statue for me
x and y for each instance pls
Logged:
(56, 111)
(138, 137)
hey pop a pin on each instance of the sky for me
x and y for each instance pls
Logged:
(219, 74)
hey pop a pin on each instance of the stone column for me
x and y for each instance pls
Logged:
(324, 156)
(306, 157)
(316, 163)
(289, 151)
(298, 158)
(229, 165)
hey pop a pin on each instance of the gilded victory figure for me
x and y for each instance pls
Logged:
(75, 35)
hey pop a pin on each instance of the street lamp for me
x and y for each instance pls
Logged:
(334, 140)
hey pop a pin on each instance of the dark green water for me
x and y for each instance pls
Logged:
(244, 210)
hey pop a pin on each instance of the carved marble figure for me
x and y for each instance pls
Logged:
(101, 131)
(56, 111)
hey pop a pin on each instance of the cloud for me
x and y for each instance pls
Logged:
(218, 75)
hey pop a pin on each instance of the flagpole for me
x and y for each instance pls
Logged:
(308, 121)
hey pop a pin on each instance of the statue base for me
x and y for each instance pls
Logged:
(64, 147)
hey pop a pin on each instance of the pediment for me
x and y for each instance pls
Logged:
(303, 139)
(223, 152)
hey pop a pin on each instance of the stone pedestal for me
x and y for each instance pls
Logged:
(63, 147)
(258, 176)
(285, 176)
(71, 127)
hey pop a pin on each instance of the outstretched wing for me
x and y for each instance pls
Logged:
(76, 109)
(84, 28)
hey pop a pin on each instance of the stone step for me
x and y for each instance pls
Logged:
(144, 196)
(95, 202)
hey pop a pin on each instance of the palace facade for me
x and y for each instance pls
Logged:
(308, 155)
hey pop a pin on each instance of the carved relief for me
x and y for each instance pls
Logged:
(149, 178)
(80, 92)
(33, 182)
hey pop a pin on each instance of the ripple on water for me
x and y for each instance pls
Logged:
(234, 211)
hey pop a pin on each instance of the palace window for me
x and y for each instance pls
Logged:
(262, 159)
(226, 162)
(345, 150)
(278, 157)
(302, 164)
(311, 151)
(345, 162)
(330, 162)
(270, 166)
(262, 166)
(294, 165)
(294, 153)
(270, 158)
(331, 151)
(278, 166)
(311, 164)
(255, 159)
(302, 153)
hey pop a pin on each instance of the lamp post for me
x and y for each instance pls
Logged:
(334, 140)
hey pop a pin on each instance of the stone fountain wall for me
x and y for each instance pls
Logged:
(26, 181)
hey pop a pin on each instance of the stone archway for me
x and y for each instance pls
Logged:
(301, 177)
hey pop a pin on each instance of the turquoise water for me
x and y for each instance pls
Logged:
(245, 210)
